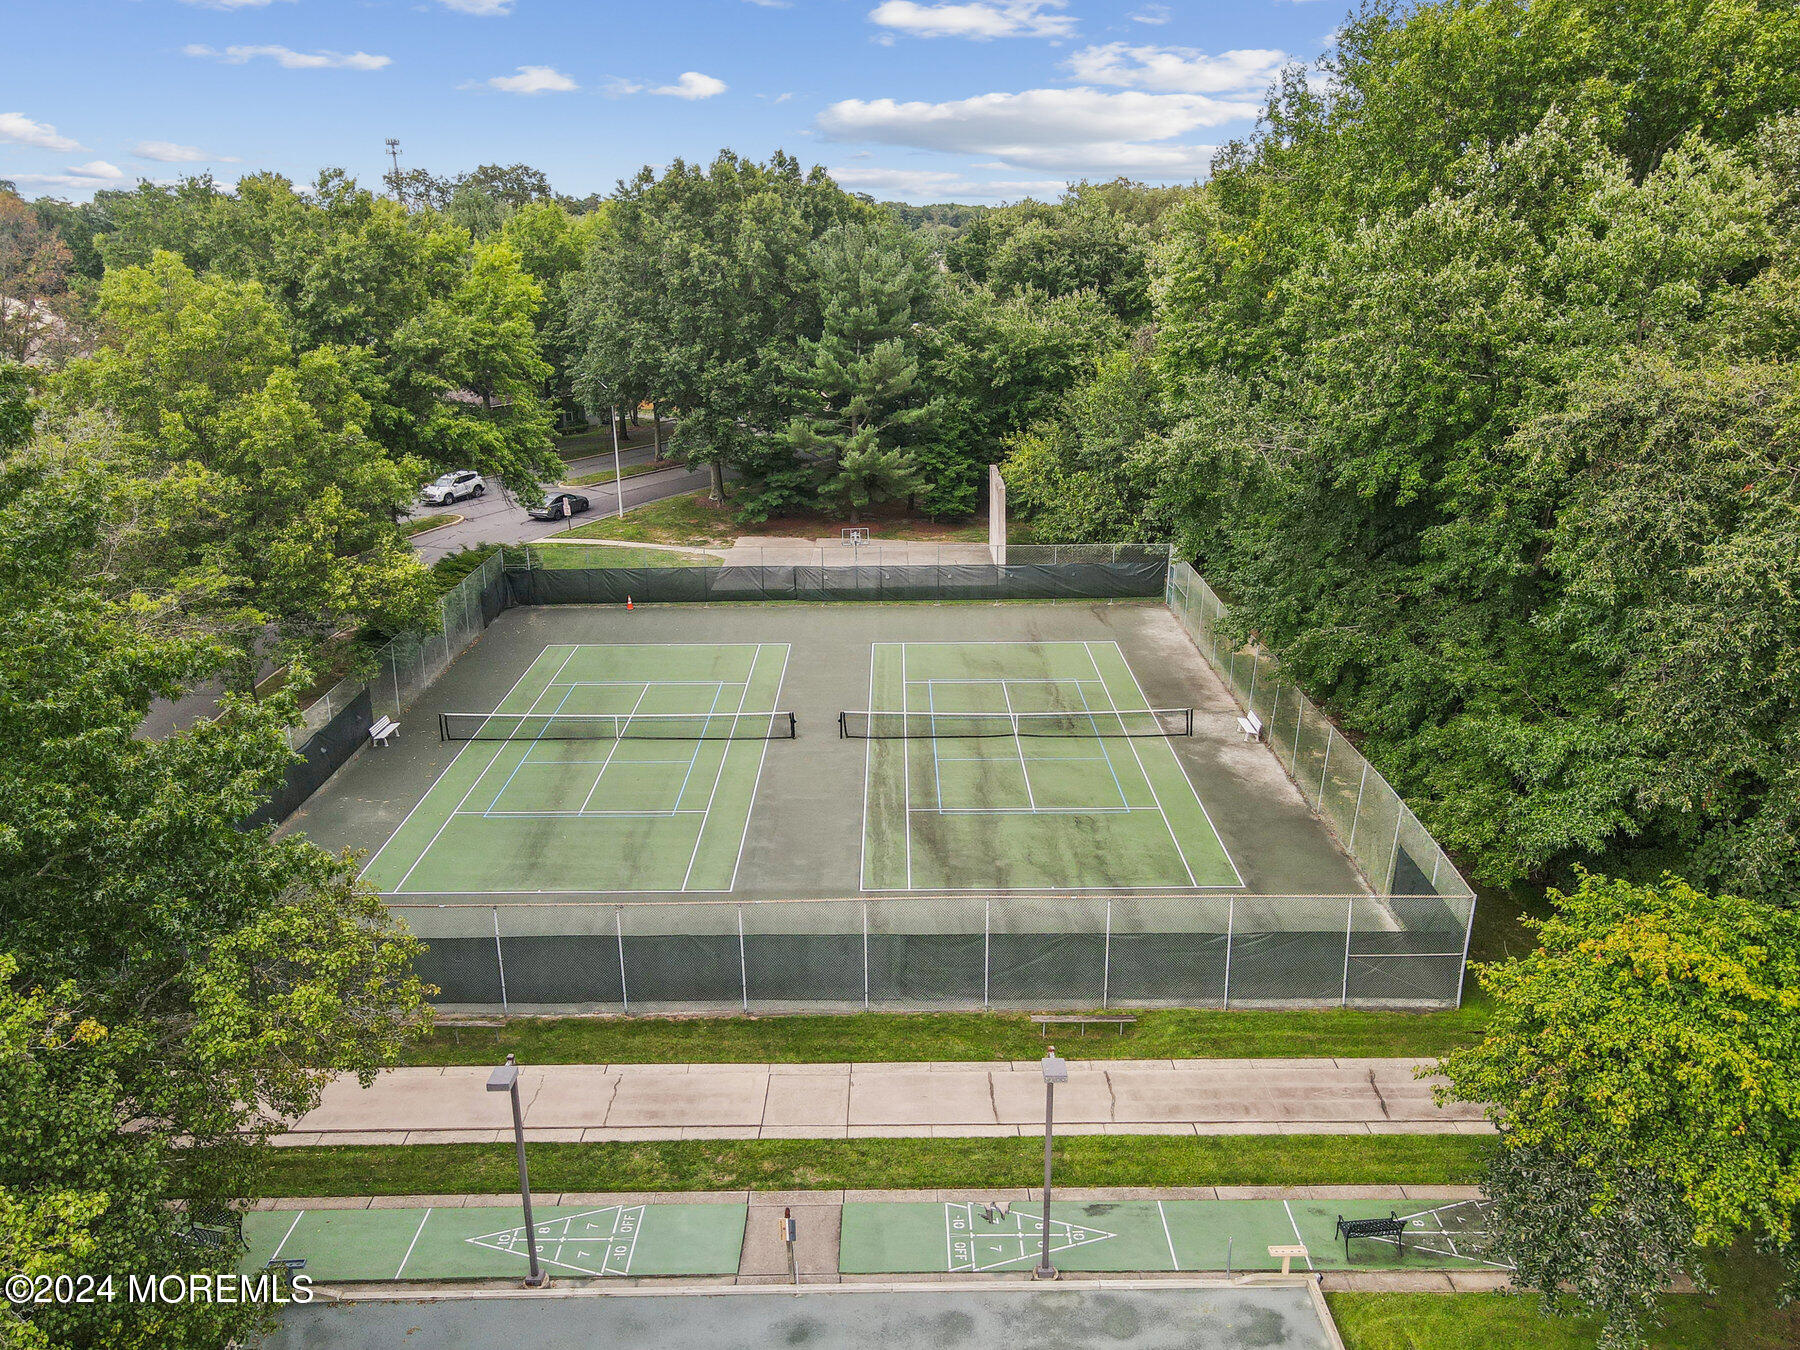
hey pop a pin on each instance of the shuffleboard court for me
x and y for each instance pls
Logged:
(605, 768)
(1080, 790)
(484, 1243)
(969, 1237)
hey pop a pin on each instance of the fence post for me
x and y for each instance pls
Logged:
(1349, 921)
(1393, 866)
(1230, 924)
(1462, 971)
(1351, 846)
(619, 932)
(1325, 765)
(743, 964)
(865, 910)
(500, 964)
(987, 907)
(1106, 960)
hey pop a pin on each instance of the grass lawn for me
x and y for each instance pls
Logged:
(879, 1164)
(899, 1037)
(1741, 1315)
(420, 524)
(692, 519)
(606, 475)
(560, 551)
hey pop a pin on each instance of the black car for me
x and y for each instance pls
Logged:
(560, 507)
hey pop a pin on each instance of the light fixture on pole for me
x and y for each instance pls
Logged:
(1055, 1071)
(506, 1079)
(618, 473)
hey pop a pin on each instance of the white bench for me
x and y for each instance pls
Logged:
(1251, 725)
(383, 730)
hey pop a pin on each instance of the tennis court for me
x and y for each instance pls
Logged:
(970, 1237)
(481, 1243)
(1026, 766)
(605, 768)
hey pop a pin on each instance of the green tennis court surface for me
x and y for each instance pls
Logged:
(1173, 1235)
(531, 811)
(475, 1244)
(1032, 811)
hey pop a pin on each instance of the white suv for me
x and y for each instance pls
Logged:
(453, 487)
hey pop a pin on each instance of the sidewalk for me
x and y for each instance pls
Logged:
(589, 1103)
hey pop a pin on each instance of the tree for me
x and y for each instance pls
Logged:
(1643, 1066)
(251, 487)
(702, 288)
(173, 983)
(34, 266)
(861, 374)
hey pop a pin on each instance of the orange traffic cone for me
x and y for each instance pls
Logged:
(628, 604)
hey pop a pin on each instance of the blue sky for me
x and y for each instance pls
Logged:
(911, 99)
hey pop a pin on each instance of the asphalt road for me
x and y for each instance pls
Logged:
(498, 519)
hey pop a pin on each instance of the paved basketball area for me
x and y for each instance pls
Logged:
(1064, 1317)
(968, 1237)
(1026, 766)
(574, 1242)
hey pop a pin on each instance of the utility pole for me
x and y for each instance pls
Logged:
(393, 147)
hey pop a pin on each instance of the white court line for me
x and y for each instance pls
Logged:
(400, 885)
(532, 743)
(1026, 811)
(1174, 1260)
(1218, 838)
(285, 1236)
(868, 768)
(1018, 745)
(1154, 795)
(725, 754)
(711, 710)
(906, 763)
(1294, 1224)
(761, 759)
(458, 755)
(1105, 752)
(413, 1243)
(643, 689)
(581, 815)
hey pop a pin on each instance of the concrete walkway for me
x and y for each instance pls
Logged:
(587, 1103)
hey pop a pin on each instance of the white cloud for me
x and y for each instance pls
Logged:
(18, 129)
(290, 59)
(773, 4)
(1061, 130)
(96, 173)
(227, 4)
(1177, 70)
(980, 20)
(168, 152)
(485, 9)
(1154, 15)
(618, 87)
(534, 80)
(940, 185)
(692, 84)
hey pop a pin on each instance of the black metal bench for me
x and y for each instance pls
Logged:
(1392, 1227)
(216, 1227)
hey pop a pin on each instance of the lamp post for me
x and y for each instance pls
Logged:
(506, 1079)
(1055, 1071)
(618, 473)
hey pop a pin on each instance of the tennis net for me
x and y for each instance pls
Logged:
(856, 724)
(764, 726)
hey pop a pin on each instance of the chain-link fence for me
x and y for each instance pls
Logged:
(581, 574)
(1395, 852)
(948, 952)
(407, 665)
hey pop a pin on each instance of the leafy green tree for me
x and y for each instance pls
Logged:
(477, 349)
(861, 373)
(251, 487)
(173, 983)
(1643, 1066)
(701, 288)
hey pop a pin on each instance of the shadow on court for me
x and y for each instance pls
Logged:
(1064, 1318)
